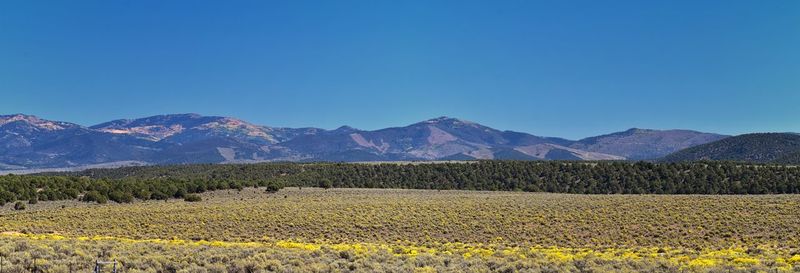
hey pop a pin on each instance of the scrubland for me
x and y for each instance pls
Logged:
(369, 230)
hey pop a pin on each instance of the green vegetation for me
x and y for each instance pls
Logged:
(535, 176)
(19, 206)
(192, 198)
(164, 182)
(793, 158)
(782, 148)
(52, 188)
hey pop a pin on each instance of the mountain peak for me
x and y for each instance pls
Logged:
(178, 116)
(345, 128)
(17, 116)
(34, 121)
(447, 120)
(182, 115)
(157, 128)
(635, 130)
(441, 118)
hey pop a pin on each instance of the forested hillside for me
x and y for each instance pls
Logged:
(789, 159)
(164, 182)
(760, 148)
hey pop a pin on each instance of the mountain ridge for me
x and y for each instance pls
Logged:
(27, 141)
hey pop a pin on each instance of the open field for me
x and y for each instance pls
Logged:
(315, 230)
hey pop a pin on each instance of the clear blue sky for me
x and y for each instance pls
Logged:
(555, 68)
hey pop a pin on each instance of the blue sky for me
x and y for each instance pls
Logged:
(555, 68)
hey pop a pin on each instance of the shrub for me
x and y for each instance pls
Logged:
(95, 196)
(143, 194)
(120, 197)
(7, 196)
(19, 206)
(159, 196)
(192, 198)
(72, 193)
(273, 187)
(180, 193)
(325, 183)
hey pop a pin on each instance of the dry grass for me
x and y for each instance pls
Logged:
(530, 230)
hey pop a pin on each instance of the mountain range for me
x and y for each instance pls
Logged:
(28, 142)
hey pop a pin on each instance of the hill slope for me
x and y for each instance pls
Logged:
(643, 144)
(760, 148)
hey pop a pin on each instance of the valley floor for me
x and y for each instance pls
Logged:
(366, 230)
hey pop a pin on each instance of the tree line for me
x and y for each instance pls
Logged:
(177, 181)
(34, 188)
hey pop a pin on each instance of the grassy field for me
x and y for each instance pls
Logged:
(341, 230)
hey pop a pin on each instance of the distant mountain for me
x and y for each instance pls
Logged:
(642, 144)
(192, 138)
(28, 142)
(436, 139)
(760, 147)
(193, 127)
